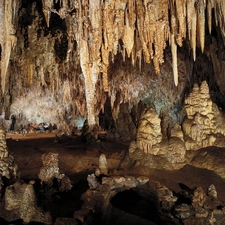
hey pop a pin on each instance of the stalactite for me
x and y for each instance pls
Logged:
(128, 36)
(30, 71)
(174, 58)
(220, 16)
(42, 76)
(192, 23)
(181, 17)
(209, 14)
(8, 38)
(139, 29)
(90, 54)
(105, 64)
(47, 6)
(201, 22)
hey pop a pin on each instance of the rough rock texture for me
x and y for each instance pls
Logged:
(189, 206)
(67, 58)
(98, 199)
(8, 167)
(50, 170)
(203, 126)
(149, 131)
(21, 202)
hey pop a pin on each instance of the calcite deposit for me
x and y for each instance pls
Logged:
(62, 60)
(51, 170)
(8, 166)
(202, 126)
(21, 203)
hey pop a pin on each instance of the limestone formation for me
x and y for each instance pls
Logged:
(21, 201)
(204, 125)
(189, 206)
(103, 165)
(149, 131)
(92, 181)
(212, 191)
(50, 170)
(93, 34)
(8, 167)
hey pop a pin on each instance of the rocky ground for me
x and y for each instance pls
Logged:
(78, 159)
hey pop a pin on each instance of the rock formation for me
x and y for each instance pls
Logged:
(103, 165)
(73, 56)
(8, 167)
(50, 170)
(202, 126)
(189, 206)
(20, 202)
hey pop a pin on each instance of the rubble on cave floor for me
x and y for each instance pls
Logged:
(85, 203)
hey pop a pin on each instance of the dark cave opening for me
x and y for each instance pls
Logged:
(132, 202)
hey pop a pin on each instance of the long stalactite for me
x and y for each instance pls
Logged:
(139, 29)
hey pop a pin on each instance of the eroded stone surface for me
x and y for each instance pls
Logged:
(8, 167)
(189, 206)
(21, 202)
(50, 170)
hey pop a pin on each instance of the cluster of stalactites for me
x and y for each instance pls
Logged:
(8, 13)
(144, 26)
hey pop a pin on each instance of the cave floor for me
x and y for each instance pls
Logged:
(78, 159)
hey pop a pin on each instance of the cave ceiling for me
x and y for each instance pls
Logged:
(62, 60)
